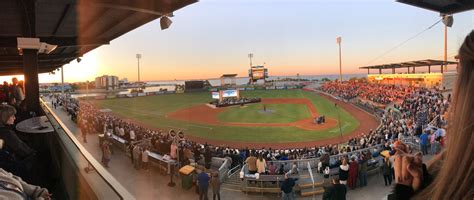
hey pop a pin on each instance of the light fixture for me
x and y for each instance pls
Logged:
(165, 22)
(34, 43)
(448, 20)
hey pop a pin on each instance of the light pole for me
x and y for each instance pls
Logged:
(448, 22)
(138, 61)
(339, 40)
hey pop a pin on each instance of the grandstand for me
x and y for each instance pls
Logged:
(440, 79)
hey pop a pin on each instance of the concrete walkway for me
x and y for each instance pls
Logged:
(153, 185)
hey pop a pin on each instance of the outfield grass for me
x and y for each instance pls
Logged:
(276, 113)
(152, 110)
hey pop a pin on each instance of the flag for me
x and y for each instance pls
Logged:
(338, 40)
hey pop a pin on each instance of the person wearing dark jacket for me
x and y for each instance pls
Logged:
(287, 187)
(11, 142)
(386, 169)
(336, 191)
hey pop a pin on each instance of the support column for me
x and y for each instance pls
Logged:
(380, 71)
(30, 70)
(408, 69)
(414, 69)
(393, 70)
(429, 68)
(442, 69)
(368, 71)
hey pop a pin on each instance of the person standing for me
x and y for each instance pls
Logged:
(363, 170)
(287, 188)
(343, 172)
(106, 153)
(84, 131)
(203, 184)
(386, 169)
(173, 150)
(17, 91)
(424, 143)
(136, 157)
(216, 186)
(130, 150)
(336, 191)
(353, 172)
(145, 158)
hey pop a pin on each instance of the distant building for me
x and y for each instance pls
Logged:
(107, 82)
(124, 81)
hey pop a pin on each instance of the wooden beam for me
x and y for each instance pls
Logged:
(66, 13)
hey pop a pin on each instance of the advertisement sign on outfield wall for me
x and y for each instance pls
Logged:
(141, 94)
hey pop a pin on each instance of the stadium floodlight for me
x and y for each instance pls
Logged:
(165, 22)
(448, 20)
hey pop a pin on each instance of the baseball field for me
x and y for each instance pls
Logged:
(286, 120)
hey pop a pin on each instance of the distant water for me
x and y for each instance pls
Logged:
(169, 85)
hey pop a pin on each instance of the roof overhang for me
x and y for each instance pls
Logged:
(418, 63)
(442, 6)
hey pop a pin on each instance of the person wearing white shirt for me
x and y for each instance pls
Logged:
(132, 135)
(121, 132)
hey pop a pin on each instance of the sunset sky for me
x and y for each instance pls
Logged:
(213, 37)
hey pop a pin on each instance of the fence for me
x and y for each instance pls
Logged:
(313, 162)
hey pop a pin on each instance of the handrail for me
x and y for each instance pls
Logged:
(230, 173)
(104, 174)
(312, 177)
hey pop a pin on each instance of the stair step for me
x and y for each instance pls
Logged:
(311, 192)
(231, 187)
(310, 185)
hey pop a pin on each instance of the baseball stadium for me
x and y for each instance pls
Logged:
(257, 100)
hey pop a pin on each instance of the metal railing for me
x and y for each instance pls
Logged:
(233, 171)
(103, 184)
(313, 162)
(311, 176)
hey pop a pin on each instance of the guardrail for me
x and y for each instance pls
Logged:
(103, 184)
(311, 176)
(313, 162)
(233, 171)
(223, 169)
